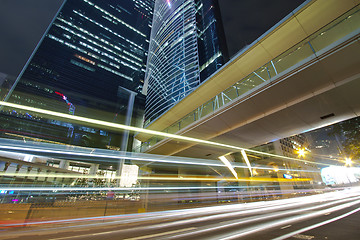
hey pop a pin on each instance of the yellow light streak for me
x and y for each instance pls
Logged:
(183, 178)
(77, 119)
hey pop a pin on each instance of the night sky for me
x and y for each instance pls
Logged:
(22, 23)
(246, 20)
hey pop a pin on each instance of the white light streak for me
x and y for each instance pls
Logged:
(142, 130)
(228, 165)
(278, 223)
(243, 153)
(316, 225)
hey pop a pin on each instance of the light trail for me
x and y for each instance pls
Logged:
(125, 155)
(77, 119)
(178, 218)
(279, 223)
(182, 179)
(243, 153)
(229, 166)
(161, 234)
(120, 155)
(257, 218)
(171, 213)
(35, 139)
(317, 225)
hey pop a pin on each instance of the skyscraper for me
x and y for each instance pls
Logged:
(187, 45)
(91, 63)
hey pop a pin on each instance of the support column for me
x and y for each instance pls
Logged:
(93, 169)
(64, 164)
(125, 138)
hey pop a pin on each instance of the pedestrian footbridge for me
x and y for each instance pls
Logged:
(302, 74)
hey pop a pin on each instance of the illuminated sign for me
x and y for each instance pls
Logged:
(287, 176)
(336, 175)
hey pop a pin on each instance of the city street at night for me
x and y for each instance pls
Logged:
(311, 217)
(179, 119)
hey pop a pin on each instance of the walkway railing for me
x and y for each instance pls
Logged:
(335, 30)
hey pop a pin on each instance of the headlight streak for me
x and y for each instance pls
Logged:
(172, 160)
(252, 211)
(243, 195)
(248, 220)
(243, 153)
(229, 166)
(108, 156)
(171, 213)
(283, 222)
(124, 155)
(31, 189)
(317, 225)
(184, 179)
(169, 198)
(77, 119)
(82, 189)
(206, 210)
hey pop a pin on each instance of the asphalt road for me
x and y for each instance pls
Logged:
(334, 215)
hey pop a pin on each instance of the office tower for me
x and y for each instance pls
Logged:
(91, 63)
(187, 45)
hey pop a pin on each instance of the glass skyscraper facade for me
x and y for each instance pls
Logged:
(187, 45)
(91, 63)
(212, 48)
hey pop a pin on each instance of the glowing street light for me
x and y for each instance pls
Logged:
(301, 152)
(348, 162)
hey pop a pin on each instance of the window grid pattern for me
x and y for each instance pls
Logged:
(173, 62)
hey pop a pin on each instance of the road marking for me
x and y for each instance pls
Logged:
(302, 236)
(161, 234)
(287, 226)
(316, 225)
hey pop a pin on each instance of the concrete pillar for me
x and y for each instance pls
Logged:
(64, 164)
(93, 169)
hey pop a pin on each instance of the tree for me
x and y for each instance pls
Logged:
(349, 130)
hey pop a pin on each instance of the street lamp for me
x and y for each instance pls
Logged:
(301, 152)
(348, 162)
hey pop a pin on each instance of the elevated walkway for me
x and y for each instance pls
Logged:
(311, 84)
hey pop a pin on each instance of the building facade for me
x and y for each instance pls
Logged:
(187, 45)
(91, 63)
(295, 147)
